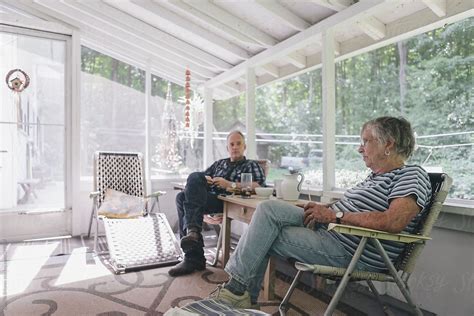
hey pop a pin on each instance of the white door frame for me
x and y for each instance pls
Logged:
(15, 219)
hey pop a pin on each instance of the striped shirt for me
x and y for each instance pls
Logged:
(375, 194)
(232, 170)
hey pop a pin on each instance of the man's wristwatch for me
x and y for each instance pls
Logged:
(233, 185)
(339, 216)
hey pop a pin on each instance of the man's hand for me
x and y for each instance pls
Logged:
(221, 182)
(208, 179)
(317, 213)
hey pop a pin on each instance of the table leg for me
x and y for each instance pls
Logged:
(226, 237)
(269, 281)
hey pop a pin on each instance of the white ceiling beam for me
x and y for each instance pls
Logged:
(437, 6)
(131, 56)
(232, 21)
(271, 70)
(166, 41)
(285, 15)
(296, 59)
(407, 27)
(34, 23)
(216, 25)
(135, 57)
(191, 29)
(229, 88)
(28, 7)
(10, 10)
(373, 27)
(351, 14)
(336, 5)
(86, 20)
(417, 23)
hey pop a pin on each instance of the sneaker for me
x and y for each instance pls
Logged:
(227, 297)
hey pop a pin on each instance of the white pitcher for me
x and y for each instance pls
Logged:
(291, 186)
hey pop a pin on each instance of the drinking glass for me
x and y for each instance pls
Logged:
(245, 185)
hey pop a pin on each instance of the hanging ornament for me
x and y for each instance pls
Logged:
(17, 80)
(187, 95)
(20, 82)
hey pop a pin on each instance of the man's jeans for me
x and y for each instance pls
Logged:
(194, 202)
(277, 229)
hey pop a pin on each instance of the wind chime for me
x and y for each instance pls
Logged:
(187, 93)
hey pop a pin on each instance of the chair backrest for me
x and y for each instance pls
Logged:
(119, 171)
(440, 185)
(265, 164)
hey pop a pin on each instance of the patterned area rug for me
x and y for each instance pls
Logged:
(63, 277)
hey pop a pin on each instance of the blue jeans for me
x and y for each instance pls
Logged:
(195, 201)
(192, 204)
(277, 229)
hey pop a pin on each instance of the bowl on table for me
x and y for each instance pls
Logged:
(263, 192)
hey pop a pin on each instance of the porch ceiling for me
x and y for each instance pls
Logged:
(217, 40)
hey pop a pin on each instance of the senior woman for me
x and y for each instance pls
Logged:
(389, 199)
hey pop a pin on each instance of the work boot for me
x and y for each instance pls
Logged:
(187, 267)
(191, 241)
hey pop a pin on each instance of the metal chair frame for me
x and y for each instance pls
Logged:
(399, 272)
(119, 182)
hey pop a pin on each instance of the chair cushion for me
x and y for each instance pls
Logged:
(117, 204)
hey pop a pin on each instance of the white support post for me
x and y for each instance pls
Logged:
(79, 221)
(208, 128)
(329, 112)
(250, 114)
(147, 127)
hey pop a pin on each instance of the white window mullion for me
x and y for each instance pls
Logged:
(75, 99)
(208, 127)
(329, 113)
(250, 114)
(147, 127)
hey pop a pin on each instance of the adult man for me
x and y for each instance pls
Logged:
(200, 197)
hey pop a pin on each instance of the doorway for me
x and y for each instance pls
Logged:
(33, 134)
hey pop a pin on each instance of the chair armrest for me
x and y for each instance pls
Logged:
(156, 194)
(372, 233)
(93, 195)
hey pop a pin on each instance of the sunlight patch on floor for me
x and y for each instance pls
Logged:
(78, 268)
(18, 273)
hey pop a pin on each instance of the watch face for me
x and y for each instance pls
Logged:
(234, 185)
(340, 214)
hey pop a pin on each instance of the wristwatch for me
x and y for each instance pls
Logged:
(233, 185)
(339, 216)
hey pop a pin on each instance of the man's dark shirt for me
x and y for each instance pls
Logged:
(231, 171)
